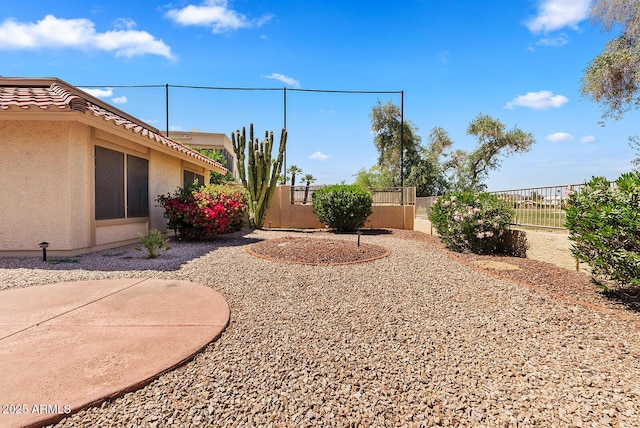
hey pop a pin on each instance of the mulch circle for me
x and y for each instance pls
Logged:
(317, 251)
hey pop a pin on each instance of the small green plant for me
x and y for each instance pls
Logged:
(342, 207)
(472, 222)
(604, 225)
(153, 242)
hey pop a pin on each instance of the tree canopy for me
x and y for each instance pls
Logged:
(435, 168)
(494, 143)
(386, 125)
(216, 155)
(613, 77)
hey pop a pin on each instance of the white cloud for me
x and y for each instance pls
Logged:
(52, 32)
(556, 14)
(540, 100)
(125, 23)
(215, 14)
(319, 156)
(559, 137)
(554, 42)
(105, 93)
(588, 139)
(98, 93)
(284, 79)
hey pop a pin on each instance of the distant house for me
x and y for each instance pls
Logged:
(209, 140)
(79, 173)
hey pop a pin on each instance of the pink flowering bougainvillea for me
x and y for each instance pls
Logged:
(203, 213)
(472, 222)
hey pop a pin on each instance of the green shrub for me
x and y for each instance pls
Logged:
(472, 222)
(342, 207)
(604, 224)
(153, 242)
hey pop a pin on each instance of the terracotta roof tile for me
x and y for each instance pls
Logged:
(57, 96)
(25, 98)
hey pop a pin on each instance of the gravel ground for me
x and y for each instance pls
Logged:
(412, 339)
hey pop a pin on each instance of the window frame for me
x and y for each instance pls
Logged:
(185, 181)
(128, 158)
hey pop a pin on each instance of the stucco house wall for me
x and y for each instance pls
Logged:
(36, 190)
(49, 132)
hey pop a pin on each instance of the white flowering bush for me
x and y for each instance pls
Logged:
(472, 222)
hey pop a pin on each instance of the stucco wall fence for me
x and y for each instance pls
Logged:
(282, 214)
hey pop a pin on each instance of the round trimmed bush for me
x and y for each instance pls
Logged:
(344, 207)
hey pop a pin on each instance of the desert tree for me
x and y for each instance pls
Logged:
(613, 77)
(387, 128)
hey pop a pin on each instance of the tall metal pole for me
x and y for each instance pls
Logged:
(285, 128)
(402, 139)
(166, 105)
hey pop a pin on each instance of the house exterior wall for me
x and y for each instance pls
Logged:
(42, 173)
(80, 185)
(165, 175)
(47, 183)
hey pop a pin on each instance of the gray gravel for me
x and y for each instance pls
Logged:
(413, 339)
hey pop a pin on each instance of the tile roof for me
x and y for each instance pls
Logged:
(55, 95)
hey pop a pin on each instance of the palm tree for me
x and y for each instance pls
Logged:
(293, 170)
(309, 179)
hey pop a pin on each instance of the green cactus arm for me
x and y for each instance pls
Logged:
(238, 148)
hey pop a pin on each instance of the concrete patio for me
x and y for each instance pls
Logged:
(68, 345)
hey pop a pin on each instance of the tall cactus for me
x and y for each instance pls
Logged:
(261, 174)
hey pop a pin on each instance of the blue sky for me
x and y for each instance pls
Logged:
(518, 61)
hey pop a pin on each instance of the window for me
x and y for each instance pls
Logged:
(230, 164)
(109, 184)
(119, 194)
(137, 187)
(190, 177)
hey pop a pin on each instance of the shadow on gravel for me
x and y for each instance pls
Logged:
(375, 232)
(127, 258)
(363, 231)
(629, 298)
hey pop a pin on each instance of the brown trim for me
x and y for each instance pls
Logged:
(121, 221)
(142, 152)
(92, 187)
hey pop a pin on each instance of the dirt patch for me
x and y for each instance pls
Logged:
(314, 251)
